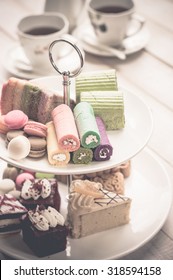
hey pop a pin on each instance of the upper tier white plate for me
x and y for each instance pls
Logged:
(130, 45)
(126, 142)
(151, 193)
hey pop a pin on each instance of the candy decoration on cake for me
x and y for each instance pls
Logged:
(56, 155)
(86, 125)
(82, 156)
(109, 105)
(102, 80)
(104, 150)
(65, 127)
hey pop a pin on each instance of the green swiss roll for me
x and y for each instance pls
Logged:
(82, 156)
(86, 125)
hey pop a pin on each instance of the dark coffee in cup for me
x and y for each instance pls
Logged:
(41, 30)
(112, 9)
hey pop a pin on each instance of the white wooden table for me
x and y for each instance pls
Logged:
(148, 73)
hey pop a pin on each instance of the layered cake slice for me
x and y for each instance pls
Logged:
(11, 212)
(92, 209)
(100, 80)
(108, 105)
(44, 231)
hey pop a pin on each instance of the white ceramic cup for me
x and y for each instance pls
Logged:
(111, 19)
(36, 33)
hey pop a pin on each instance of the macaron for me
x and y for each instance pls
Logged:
(12, 134)
(3, 127)
(15, 119)
(6, 185)
(35, 129)
(10, 173)
(19, 147)
(22, 177)
(38, 146)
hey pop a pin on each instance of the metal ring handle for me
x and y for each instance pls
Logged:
(77, 50)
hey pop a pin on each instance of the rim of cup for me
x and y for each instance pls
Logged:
(94, 10)
(21, 28)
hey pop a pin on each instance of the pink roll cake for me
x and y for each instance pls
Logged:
(65, 127)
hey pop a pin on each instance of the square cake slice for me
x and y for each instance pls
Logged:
(92, 209)
(44, 231)
(11, 212)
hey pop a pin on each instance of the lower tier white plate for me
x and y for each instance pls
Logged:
(151, 193)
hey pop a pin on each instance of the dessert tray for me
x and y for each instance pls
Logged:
(151, 196)
(126, 142)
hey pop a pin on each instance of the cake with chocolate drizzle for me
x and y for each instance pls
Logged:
(11, 212)
(40, 191)
(92, 209)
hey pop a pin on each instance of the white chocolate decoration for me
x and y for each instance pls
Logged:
(36, 189)
(45, 218)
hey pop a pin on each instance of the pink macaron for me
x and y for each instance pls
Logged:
(35, 129)
(21, 178)
(15, 119)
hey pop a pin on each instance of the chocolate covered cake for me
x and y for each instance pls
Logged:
(43, 230)
(40, 191)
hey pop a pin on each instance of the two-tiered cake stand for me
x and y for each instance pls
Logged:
(148, 184)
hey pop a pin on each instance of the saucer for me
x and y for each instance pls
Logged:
(130, 45)
(16, 64)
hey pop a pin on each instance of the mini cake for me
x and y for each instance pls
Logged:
(11, 212)
(43, 230)
(101, 80)
(108, 105)
(92, 209)
(40, 191)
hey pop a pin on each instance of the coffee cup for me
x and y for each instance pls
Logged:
(111, 19)
(36, 33)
